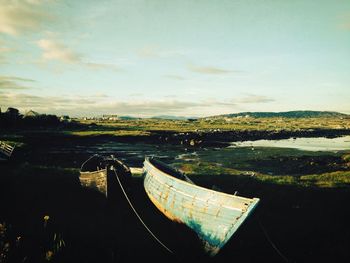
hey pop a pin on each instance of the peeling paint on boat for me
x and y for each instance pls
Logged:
(214, 216)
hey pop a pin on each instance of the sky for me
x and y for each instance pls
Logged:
(183, 58)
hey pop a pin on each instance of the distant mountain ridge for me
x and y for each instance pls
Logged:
(285, 114)
(170, 117)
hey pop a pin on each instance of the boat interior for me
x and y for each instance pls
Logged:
(169, 170)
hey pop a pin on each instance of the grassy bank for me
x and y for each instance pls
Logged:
(225, 124)
(206, 171)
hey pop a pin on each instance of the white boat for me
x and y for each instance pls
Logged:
(213, 215)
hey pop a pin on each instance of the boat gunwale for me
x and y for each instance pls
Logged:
(93, 172)
(199, 187)
(205, 200)
(6, 149)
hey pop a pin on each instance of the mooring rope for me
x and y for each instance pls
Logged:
(270, 241)
(92, 156)
(138, 216)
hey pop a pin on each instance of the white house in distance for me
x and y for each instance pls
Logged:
(110, 117)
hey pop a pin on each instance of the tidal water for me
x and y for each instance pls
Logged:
(305, 144)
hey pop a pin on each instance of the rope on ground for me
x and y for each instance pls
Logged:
(270, 241)
(138, 216)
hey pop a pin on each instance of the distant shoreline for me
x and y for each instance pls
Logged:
(186, 139)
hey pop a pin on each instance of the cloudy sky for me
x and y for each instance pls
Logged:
(190, 57)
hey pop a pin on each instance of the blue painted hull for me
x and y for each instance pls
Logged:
(214, 216)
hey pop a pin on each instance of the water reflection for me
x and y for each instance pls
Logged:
(306, 144)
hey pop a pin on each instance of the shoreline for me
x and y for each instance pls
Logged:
(187, 139)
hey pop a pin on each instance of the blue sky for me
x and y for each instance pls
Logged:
(191, 58)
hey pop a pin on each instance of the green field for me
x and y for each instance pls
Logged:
(210, 124)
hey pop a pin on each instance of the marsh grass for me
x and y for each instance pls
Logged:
(113, 133)
(14, 245)
(225, 124)
(211, 171)
(346, 158)
(333, 179)
(52, 214)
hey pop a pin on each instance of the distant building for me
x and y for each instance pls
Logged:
(110, 117)
(65, 118)
(89, 118)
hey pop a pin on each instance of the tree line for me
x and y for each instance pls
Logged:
(12, 118)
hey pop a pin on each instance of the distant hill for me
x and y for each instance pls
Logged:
(170, 117)
(127, 118)
(286, 114)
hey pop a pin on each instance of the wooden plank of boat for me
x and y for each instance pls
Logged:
(214, 216)
(6, 150)
(93, 174)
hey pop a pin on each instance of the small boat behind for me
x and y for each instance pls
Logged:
(97, 171)
(6, 151)
(213, 215)
(93, 174)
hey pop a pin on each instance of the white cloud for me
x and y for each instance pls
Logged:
(209, 70)
(255, 99)
(18, 17)
(35, 102)
(54, 50)
(89, 106)
(4, 51)
(97, 104)
(148, 52)
(14, 83)
(158, 52)
(93, 65)
(176, 77)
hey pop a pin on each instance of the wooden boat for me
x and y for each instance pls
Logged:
(213, 215)
(94, 172)
(6, 151)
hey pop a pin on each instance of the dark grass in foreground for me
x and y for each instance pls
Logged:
(307, 224)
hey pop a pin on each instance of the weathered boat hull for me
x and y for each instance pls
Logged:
(93, 174)
(97, 171)
(214, 216)
(6, 151)
(95, 180)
